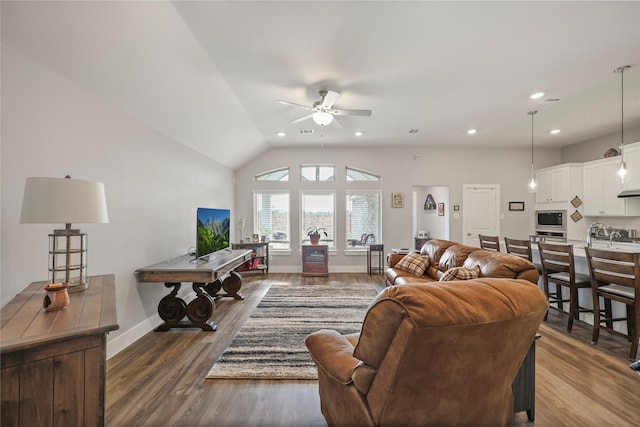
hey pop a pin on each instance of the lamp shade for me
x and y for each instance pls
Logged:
(63, 201)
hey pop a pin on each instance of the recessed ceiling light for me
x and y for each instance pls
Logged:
(537, 95)
(358, 133)
(555, 131)
(281, 133)
(472, 131)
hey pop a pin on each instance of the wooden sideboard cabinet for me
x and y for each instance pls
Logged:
(54, 363)
(315, 260)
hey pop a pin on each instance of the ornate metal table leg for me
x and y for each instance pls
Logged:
(171, 309)
(213, 288)
(232, 285)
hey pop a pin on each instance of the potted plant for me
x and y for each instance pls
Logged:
(314, 234)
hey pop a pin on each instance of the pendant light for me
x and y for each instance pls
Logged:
(621, 175)
(532, 183)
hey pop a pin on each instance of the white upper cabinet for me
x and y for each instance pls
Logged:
(632, 157)
(601, 190)
(558, 184)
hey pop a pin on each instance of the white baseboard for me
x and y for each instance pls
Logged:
(124, 340)
(127, 338)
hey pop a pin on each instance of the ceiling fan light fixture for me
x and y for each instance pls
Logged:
(322, 118)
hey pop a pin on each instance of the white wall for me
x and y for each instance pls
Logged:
(451, 167)
(428, 220)
(594, 149)
(153, 184)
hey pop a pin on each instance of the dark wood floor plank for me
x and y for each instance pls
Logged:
(160, 379)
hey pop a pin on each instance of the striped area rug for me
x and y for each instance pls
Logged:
(270, 345)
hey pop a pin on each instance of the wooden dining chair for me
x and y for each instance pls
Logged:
(558, 268)
(491, 243)
(615, 276)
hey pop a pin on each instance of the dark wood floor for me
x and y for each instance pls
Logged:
(160, 379)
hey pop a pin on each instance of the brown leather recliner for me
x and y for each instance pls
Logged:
(430, 354)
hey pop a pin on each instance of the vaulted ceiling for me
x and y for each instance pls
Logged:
(208, 73)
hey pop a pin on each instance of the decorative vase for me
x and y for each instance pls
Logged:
(314, 238)
(56, 298)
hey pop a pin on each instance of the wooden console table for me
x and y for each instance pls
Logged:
(207, 277)
(54, 363)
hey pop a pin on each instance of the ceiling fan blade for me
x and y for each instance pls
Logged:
(342, 112)
(298, 120)
(293, 104)
(329, 99)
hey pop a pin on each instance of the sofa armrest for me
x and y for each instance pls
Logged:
(394, 258)
(333, 354)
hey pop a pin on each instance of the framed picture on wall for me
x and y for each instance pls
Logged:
(516, 206)
(397, 200)
(440, 209)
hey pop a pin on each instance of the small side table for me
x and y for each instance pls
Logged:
(379, 249)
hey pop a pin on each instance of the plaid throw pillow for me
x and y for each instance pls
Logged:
(414, 263)
(460, 273)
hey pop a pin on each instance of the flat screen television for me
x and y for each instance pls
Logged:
(212, 232)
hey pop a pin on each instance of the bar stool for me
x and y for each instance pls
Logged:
(521, 248)
(558, 268)
(491, 243)
(377, 248)
(615, 276)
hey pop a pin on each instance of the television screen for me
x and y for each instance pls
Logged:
(212, 231)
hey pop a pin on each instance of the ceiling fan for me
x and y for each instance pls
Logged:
(323, 112)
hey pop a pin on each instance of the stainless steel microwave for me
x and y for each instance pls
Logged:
(551, 220)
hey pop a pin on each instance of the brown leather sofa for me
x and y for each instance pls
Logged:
(430, 354)
(445, 254)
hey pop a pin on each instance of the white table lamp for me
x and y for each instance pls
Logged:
(65, 201)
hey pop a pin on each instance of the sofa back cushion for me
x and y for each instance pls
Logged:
(435, 248)
(455, 256)
(501, 265)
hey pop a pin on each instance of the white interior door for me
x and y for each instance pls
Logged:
(480, 212)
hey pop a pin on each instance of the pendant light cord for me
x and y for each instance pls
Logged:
(532, 138)
(622, 111)
(532, 113)
(621, 70)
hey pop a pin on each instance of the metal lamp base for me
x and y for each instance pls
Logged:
(68, 258)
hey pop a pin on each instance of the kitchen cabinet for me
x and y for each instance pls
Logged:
(601, 190)
(632, 157)
(558, 183)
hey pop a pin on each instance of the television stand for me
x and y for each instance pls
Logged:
(207, 278)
